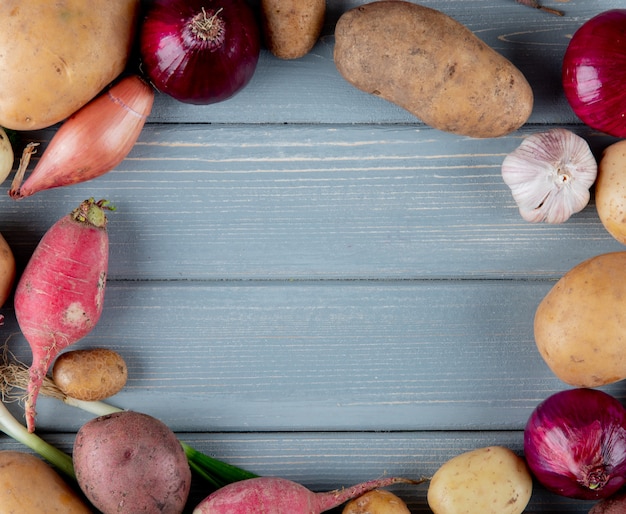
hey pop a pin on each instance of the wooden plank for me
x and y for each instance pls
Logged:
(325, 461)
(356, 355)
(194, 202)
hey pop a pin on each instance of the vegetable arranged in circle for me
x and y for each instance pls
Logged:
(549, 175)
(90, 374)
(60, 295)
(579, 324)
(56, 56)
(432, 66)
(92, 141)
(277, 495)
(575, 444)
(490, 480)
(594, 70)
(200, 51)
(611, 190)
(131, 462)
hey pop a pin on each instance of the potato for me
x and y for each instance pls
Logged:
(91, 374)
(7, 271)
(131, 462)
(579, 325)
(432, 66)
(611, 190)
(378, 501)
(291, 27)
(56, 56)
(28, 484)
(491, 480)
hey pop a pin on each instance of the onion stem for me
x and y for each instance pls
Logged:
(13, 428)
(15, 375)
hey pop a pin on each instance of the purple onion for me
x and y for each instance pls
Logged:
(199, 51)
(594, 72)
(575, 444)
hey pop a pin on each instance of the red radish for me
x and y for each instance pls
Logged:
(59, 297)
(272, 495)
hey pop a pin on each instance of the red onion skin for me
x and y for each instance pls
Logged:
(594, 72)
(190, 69)
(575, 444)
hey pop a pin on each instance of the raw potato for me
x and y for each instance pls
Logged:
(28, 484)
(432, 66)
(90, 375)
(491, 480)
(56, 56)
(579, 325)
(378, 501)
(7, 271)
(611, 190)
(292, 27)
(129, 462)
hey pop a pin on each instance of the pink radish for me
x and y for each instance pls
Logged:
(59, 297)
(272, 495)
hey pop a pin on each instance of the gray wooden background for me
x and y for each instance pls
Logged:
(308, 282)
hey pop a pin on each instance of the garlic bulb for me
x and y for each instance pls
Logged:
(550, 174)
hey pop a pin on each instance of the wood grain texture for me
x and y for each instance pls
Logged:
(308, 282)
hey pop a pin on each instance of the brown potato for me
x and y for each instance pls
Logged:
(92, 374)
(432, 66)
(7, 271)
(56, 56)
(292, 27)
(28, 484)
(611, 190)
(579, 325)
(378, 501)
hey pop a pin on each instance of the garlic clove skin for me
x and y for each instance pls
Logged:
(550, 175)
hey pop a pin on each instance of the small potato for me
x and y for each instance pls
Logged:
(611, 190)
(434, 67)
(579, 324)
(491, 480)
(28, 484)
(377, 501)
(7, 271)
(292, 27)
(92, 374)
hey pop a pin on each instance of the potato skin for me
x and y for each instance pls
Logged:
(44, 74)
(7, 271)
(378, 501)
(91, 374)
(129, 462)
(491, 480)
(432, 66)
(611, 190)
(292, 27)
(579, 324)
(28, 484)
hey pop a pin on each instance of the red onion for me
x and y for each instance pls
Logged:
(593, 72)
(575, 444)
(199, 51)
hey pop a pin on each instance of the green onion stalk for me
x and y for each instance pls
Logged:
(15, 375)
